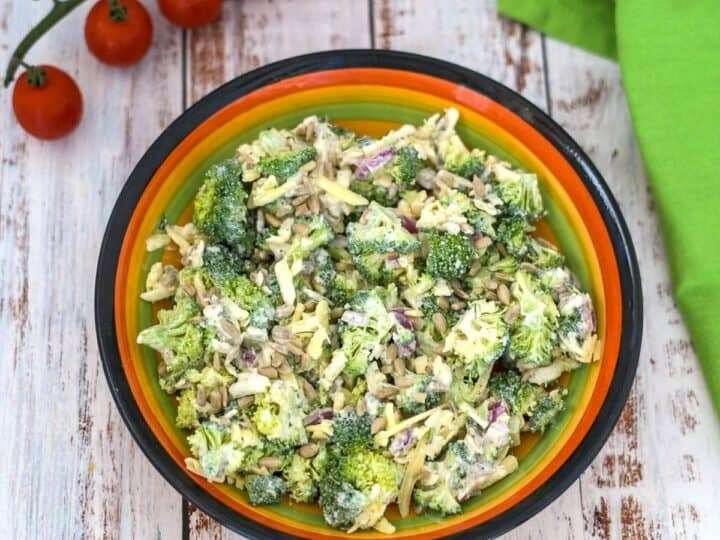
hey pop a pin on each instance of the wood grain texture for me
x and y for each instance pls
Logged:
(656, 476)
(69, 468)
(468, 32)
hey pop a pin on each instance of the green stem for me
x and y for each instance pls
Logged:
(118, 11)
(58, 11)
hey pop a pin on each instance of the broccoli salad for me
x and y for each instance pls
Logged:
(361, 322)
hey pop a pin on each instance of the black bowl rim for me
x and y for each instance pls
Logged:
(629, 351)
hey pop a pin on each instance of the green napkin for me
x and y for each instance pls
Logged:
(669, 53)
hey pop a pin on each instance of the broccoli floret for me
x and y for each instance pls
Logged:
(544, 255)
(285, 164)
(265, 489)
(512, 232)
(221, 269)
(380, 230)
(183, 344)
(320, 233)
(417, 288)
(405, 167)
(417, 398)
(187, 413)
(449, 255)
(220, 207)
(362, 343)
(520, 396)
(436, 499)
(350, 432)
(521, 195)
(451, 473)
(278, 414)
(534, 334)
(457, 159)
(358, 482)
(323, 274)
(345, 287)
(482, 222)
(546, 410)
(577, 324)
(383, 195)
(341, 504)
(377, 268)
(479, 338)
(224, 451)
(300, 482)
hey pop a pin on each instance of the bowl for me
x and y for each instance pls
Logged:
(371, 92)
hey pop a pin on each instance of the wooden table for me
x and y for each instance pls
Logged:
(69, 468)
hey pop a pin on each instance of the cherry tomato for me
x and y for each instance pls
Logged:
(47, 102)
(118, 32)
(190, 13)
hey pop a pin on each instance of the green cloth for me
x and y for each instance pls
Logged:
(669, 54)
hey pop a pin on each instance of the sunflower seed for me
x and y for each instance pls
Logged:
(215, 400)
(404, 382)
(269, 372)
(399, 364)
(501, 248)
(378, 425)
(270, 462)
(224, 396)
(281, 333)
(442, 302)
(302, 210)
(460, 293)
(272, 220)
(491, 284)
(387, 369)
(417, 323)
(284, 369)
(295, 349)
(440, 323)
(284, 311)
(512, 313)
(503, 294)
(245, 401)
(276, 359)
(201, 396)
(297, 201)
(474, 267)
(392, 353)
(530, 267)
(301, 229)
(483, 243)
(361, 407)
(504, 277)
(283, 211)
(310, 305)
(308, 450)
(309, 390)
(478, 187)
(216, 361)
(314, 204)
(385, 390)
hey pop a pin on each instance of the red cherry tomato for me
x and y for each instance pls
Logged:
(190, 13)
(47, 102)
(118, 32)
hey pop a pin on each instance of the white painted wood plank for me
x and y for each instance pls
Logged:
(467, 32)
(256, 32)
(250, 34)
(656, 476)
(69, 467)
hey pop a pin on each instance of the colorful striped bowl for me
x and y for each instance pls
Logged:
(370, 92)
